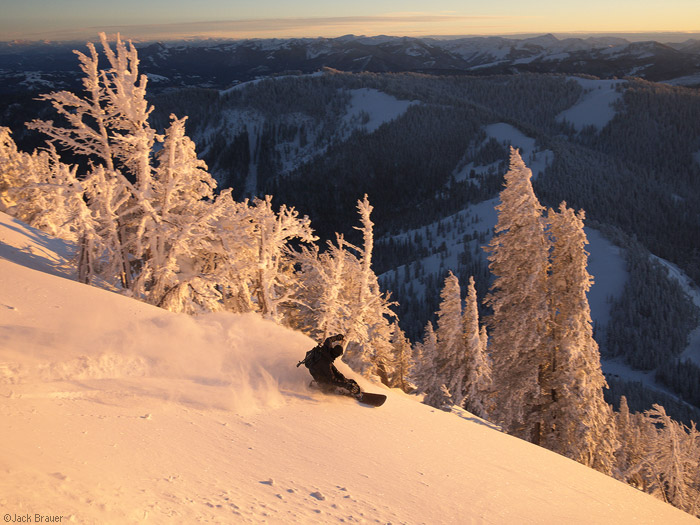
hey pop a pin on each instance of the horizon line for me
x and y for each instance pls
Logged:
(111, 35)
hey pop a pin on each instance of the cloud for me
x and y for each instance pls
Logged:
(391, 24)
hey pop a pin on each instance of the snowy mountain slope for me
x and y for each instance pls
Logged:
(692, 352)
(376, 107)
(595, 107)
(114, 411)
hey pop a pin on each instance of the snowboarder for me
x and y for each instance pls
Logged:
(319, 361)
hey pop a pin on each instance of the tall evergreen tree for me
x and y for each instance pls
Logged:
(478, 365)
(369, 330)
(518, 258)
(429, 381)
(402, 360)
(578, 423)
(451, 360)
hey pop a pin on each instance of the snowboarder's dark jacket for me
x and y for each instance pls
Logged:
(322, 368)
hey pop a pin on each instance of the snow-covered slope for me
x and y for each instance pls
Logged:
(595, 107)
(377, 108)
(113, 411)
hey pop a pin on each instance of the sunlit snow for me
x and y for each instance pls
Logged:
(114, 411)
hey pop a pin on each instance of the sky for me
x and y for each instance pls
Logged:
(171, 19)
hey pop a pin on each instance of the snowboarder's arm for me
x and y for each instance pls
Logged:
(337, 375)
(332, 339)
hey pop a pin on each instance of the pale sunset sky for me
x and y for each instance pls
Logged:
(171, 19)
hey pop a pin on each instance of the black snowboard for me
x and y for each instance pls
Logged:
(375, 400)
(366, 398)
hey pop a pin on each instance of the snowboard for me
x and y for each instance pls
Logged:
(366, 398)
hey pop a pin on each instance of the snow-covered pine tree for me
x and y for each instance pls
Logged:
(177, 273)
(451, 357)
(324, 298)
(369, 329)
(274, 282)
(402, 362)
(424, 358)
(578, 423)
(518, 255)
(109, 125)
(478, 364)
(673, 461)
(426, 375)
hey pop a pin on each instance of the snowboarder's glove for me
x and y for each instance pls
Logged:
(335, 338)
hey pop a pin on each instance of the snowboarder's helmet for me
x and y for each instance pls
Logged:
(336, 351)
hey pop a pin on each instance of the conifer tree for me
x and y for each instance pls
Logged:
(673, 461)
(478, 365)
(273, 284)
(451, 357)
(518, 258)
(578, 422)
(369, 330)
(402, 362)
(429, 381)
(424, 353)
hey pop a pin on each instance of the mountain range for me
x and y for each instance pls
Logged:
(220, 64)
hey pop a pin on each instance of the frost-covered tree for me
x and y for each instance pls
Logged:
(477, 362)
(424, 353)
(518, 258)
(338, 292)
(324, 306)
(109, 126)
(12, 171)
(369, 329)
(41, 190)
(659, 456)
(427, 378)
(272, 233)
(176, 234)
(402, 360)
(149, 219)
(451, 359)
(673, 461)
(578, 423)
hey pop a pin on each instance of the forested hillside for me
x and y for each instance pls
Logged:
(632, 165)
